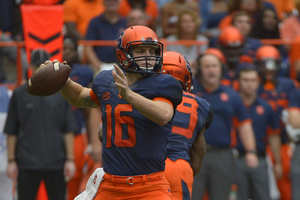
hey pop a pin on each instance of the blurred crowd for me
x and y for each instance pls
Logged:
(262, 35)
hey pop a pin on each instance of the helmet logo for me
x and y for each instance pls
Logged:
(119, 41)
(188, 66)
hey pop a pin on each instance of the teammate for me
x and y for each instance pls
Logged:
(255, 182)
(137, 111)
(186, 144)
(218, 168)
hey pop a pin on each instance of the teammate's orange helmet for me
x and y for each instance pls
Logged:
(216, 52)
(231, 43)
(134, 36)
(176, 65)
(231, 37)
(267, 52)
(268, 61)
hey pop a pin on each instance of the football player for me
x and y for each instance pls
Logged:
(137, 105)
(186, 144)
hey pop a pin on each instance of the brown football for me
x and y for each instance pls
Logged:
(48, 79)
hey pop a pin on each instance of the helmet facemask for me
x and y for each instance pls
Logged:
(130, 64)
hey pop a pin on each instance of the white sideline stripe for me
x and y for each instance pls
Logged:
(29, 82)
(56, 66)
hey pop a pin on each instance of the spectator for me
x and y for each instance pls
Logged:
(217, 173)
(6, 184)
(294, 123)
(40, 140)
(254, 182)
(83, 75)
(77, 15)
(212, 12)
(150, 7)
(276, 91)
(252, 7)
(266, 26)
(136, 17)
(186, 144)
(242, 21)
(283, 8)
(169, 14)
(107, 26)
(187, 29)
(290, 26)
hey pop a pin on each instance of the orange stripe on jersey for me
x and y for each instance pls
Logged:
(271, 131)
(164, 100)
(94, 97)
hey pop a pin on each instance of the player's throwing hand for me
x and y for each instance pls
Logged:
(121, 81)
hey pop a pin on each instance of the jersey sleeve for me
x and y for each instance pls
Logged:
(170, 89)
(240, 110)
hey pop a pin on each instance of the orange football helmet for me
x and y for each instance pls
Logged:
(216, 52)
(134, 36)
(268, 61)
(267, 52)
(231, 43)
(176, 65)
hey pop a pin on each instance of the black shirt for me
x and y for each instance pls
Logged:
(39, 124)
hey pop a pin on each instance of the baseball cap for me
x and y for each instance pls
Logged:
(39, 56)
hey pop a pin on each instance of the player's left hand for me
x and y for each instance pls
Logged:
(69, 170)
(121, 81)
(251, 160)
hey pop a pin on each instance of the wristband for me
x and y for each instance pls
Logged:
(11, 160)
(251, 151)
(70, 159)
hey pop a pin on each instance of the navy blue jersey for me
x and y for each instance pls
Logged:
(133, 144)
(83, 75)
(264, 122)
(278, 98)
(192, 115)
(229, 111)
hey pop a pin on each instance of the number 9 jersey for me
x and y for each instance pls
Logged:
(133, 144)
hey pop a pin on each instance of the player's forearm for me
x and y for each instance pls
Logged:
(157, 111)
(77, 95)
(275, 143)
(247, 136)
(294, 119)
(197, 153)
(69, 142)
(11, 146)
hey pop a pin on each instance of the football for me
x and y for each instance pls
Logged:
(48, 79)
